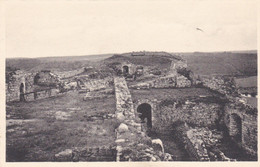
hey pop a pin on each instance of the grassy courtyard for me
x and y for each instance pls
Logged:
(38, 130)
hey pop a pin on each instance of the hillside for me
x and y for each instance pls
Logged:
(222, 63)
(65, 63)
(202, 63)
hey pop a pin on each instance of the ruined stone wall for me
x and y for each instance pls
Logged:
(13, 85)
(165, 82)
(202, 144)
(169, 81)
(248, 117)
(223, 85)
(68, 74)
(194, 113)
(196, 146)
(182, 82)
(125, 115)
(131, 67)
(46, 79)
(175, 66)
(97, 84)
(15, 81)
(132, 144)
(245, 113)
(43, 94)
(87, 154)
(29, 82)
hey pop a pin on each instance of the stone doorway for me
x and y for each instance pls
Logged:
(235, 127)
(125, 70)
(145, 114)
(22, 92)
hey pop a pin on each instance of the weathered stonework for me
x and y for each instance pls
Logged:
(68, 74)
(42, 94)
(194, 113)
(15, 81)
(175, 66)
(97, 84)
(223, 85)
(169, 81)
(21, 82)
(241, 121)
(87, 154)
(46, 78)
(132, 143)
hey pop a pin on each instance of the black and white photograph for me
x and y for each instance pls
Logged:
(129, 81)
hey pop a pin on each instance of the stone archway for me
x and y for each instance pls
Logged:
(125, 70)
(145, 114)
(22, 91)
(36, 79)
(235, 127)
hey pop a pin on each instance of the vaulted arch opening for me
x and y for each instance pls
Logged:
(22, 88)
(125, 70)
(145, 114)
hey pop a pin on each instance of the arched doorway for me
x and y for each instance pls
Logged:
(22, 92)
(145, 113)
(36, 79)
(235, 127)
(125, 70)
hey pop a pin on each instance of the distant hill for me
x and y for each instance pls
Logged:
(65, 63)
(77, 58)
(235, 63)
(222, 63)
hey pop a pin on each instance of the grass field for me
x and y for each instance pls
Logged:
(36, 131)
(222, 63)
(246, 82)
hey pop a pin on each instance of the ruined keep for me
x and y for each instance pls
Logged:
(153, 100)
(225, 112)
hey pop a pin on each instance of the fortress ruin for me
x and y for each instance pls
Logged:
(152, 101)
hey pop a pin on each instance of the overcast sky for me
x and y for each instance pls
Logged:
(82, 28)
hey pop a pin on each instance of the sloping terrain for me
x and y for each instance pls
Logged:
(202, 63)
(64, 63)
(222, 63)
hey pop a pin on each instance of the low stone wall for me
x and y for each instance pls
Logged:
(169, 81)
(97, 84)
(43, 94)
(87, 154)
(46, 78)
(68, 74)
(99, 94)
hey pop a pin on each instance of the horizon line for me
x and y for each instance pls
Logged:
(254, 50)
